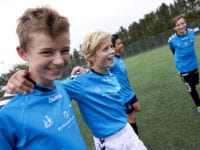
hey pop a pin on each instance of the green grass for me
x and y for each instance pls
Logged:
(168, 119)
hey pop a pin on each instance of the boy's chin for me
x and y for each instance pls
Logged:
(57, 77)
(110, 66)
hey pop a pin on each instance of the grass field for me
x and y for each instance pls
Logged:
(168, 119)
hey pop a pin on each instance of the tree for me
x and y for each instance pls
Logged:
(5, 77)
(163, 18)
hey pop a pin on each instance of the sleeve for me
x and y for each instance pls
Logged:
(73, 87)
(6, 142)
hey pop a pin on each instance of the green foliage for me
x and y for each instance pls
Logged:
(159, 20)
(1, 93)
(5, 76)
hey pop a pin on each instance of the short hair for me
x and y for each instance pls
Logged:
(37, 20)
(92, 42)
(114, 38)
(175, 19)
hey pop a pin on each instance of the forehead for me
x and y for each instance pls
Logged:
(180, 20)
(105, 41)
(42, 39)
(118, 40)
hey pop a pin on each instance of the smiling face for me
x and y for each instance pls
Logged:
(180, 26)
(103, 57)
(47, 57)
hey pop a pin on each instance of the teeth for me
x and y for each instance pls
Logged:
(54, 69)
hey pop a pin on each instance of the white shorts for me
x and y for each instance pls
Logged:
(125, 139)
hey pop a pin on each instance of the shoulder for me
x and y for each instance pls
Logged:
(111, 74)
(4, 100)
(191, 32)
(16, 102)
(172, 37)
(12, 106)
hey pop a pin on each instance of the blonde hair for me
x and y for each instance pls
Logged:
(92, 42)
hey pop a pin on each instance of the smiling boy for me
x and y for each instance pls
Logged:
(182, 46)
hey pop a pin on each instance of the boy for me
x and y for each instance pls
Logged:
(185, 59)
(98, 94)
(119, 69)
(44, 119)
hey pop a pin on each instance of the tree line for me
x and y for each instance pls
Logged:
(160, 20)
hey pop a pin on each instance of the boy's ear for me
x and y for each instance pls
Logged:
(21, 53)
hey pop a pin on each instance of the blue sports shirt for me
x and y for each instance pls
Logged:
(185, 57)
(40, 121)
(99, 101)
(120, 71)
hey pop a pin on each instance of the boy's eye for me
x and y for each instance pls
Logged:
(46, 52)
(65, 50)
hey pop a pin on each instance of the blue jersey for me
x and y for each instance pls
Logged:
(120, 71)
(184, 52)
(40, 121)
(100, 102)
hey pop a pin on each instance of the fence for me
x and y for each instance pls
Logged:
(154, 41)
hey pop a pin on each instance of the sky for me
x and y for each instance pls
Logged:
(85, 16)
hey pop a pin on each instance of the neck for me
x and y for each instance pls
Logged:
(47, 83)
(117, 54)
(100, 70)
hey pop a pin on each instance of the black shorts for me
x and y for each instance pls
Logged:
(129, 104)
(191, 78)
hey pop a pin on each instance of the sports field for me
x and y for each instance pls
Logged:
(168, 119)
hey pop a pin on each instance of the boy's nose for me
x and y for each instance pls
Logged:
(58, 59)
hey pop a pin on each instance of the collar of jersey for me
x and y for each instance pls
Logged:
(117, 56)
(39, 87)
(92, 70)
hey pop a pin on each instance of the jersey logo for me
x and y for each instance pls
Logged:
(48, 122)
(55, 98)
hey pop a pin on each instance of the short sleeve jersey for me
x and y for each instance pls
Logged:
(185, 57)
(100, 102)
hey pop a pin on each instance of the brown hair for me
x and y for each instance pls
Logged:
(175, 19)
(40, 19)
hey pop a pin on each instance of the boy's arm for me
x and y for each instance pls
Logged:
(19, 84)
(77, 70)
(173, 51)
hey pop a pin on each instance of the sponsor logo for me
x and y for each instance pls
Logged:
(48, 122)
(55, 98)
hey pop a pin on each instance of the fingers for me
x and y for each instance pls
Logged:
(75, 70)
(19, 84)
(83, 70)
